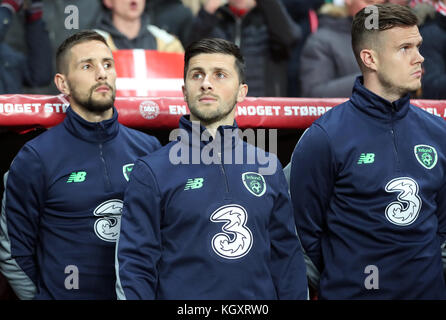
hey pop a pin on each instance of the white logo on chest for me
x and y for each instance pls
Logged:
(236, 239)
(405, 210)
(108, 225)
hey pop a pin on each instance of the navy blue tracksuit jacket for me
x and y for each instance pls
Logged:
(368, 184)
(209, 230)
(62, 206)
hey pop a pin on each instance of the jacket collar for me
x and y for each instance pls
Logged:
(92, 131)
(377, 107)
(106, 24)
(238, 12)
(226, 10)
(228, 135)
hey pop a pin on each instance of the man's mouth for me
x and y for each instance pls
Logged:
(417, 74)
(103, 88)
(133, 5)
(207, 99)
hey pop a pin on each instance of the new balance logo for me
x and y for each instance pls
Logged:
(196, 183)
(366, 158)
(77, 177)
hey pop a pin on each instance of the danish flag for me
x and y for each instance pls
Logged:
(148, 73)
(438, 5)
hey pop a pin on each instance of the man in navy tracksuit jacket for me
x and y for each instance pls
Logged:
(368, 179)
(204, 229)
(63, 194)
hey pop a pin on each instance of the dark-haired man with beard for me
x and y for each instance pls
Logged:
(212, 230)
(63, 193)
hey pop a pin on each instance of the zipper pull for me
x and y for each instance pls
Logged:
(393, 107)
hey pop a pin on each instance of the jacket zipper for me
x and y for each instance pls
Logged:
(395, 145)
(106, 174)
(108, 184)
(238, 31)
(223, 171)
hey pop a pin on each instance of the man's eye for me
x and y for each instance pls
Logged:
(85, 67)
(221, 75)
(107, 65)
(197, 76)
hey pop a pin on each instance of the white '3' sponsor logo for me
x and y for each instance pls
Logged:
(236, 239)
(108, 225)
(405, 210)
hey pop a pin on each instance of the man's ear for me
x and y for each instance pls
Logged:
(369, 59)
(61, 83)
(242, 92)
(183, 88)
(107, 4)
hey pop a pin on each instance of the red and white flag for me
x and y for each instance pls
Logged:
(438, 5)
(148, 73)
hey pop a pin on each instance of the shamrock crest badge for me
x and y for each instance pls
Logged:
(426, 155)
(255, 183)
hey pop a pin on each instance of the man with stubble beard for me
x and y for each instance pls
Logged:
(62, 205)
(219, 230)
(368, 179)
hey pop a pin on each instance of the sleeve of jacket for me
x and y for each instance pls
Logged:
(434, 53)
(39, 58)
(22, 203)
(139, 246)
(156, 143)
(319, 73)
(287, 261)
(284, 32)
(6, 19)
(313, 275)
(441, 216)
(311, 186)
(441, 213)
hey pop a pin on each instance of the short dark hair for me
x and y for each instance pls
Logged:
(215, 45)
(389, 16)
(67, 44)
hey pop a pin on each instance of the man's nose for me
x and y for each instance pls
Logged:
(419, 57)
(101, 73)
(206, 84)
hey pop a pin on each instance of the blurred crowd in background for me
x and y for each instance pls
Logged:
(293, 48)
